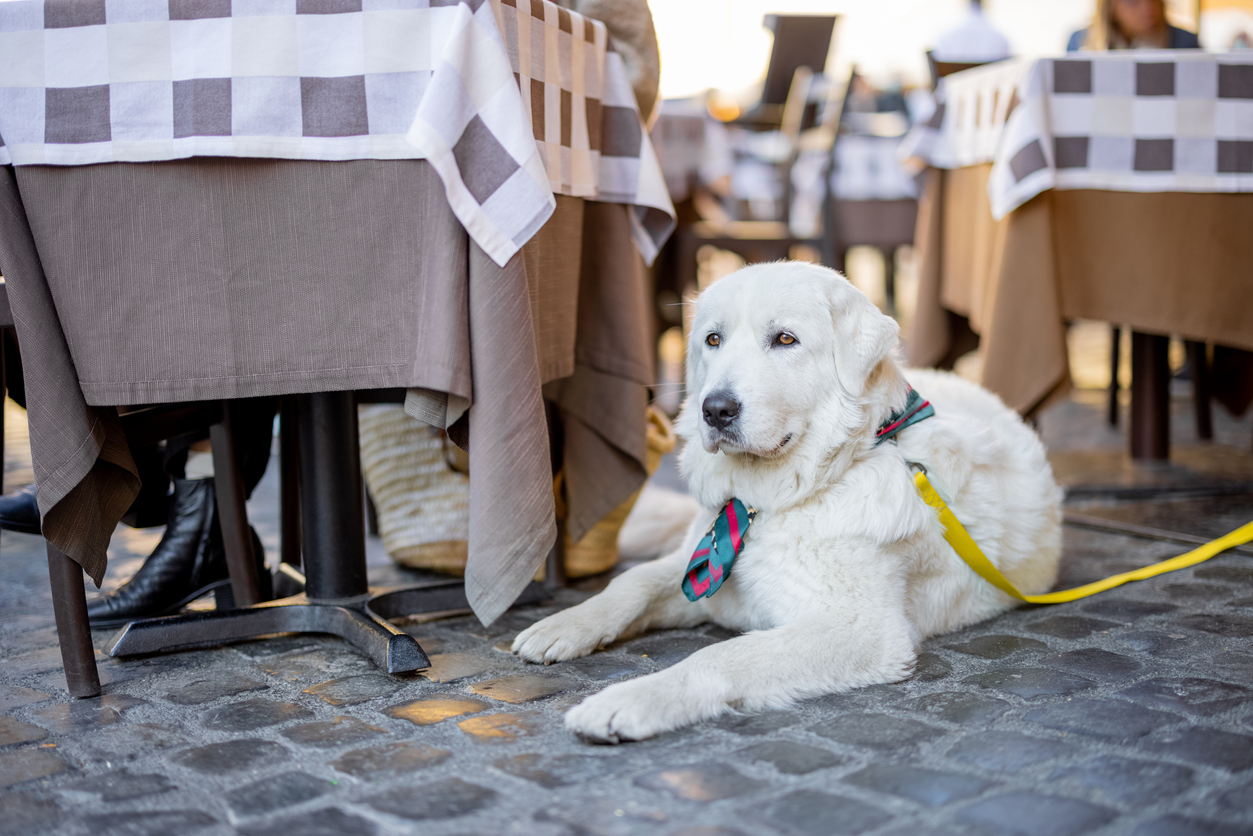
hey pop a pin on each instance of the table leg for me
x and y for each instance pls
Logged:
(330, 489)
(228, 483)
(289, 483)
(1150, 397)
(1115, 348)
(69, 606)
(1198, 365)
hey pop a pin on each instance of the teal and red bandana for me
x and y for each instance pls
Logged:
(711, 563)
(916, 409)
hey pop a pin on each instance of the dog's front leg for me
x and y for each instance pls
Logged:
(767, 669)
(647, 596)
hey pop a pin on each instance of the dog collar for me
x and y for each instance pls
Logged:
(916, 409)
(711, 563)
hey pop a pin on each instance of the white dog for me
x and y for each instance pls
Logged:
(845, 569)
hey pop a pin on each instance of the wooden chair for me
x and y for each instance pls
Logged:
(800, 41)
(754, 241)
(885, 225)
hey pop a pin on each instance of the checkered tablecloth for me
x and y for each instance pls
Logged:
(511, 101)
(1147, 121)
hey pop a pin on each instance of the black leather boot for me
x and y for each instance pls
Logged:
(188, 563)
(19, 512)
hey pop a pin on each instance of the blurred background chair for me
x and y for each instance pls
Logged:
(868, 198)
(800, 41)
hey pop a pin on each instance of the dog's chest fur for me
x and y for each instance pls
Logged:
(801, 558)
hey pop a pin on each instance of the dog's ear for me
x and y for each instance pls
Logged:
(863, 335)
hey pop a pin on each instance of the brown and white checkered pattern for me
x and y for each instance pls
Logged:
(1125, 121)
(510, 100)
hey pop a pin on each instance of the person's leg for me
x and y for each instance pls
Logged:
(189, 562)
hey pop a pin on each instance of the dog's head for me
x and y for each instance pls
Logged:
(781, 358)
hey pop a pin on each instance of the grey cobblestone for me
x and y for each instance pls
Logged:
(233, 755)
(960, 707)
(121, 785)
(274, 793)
(445, 799)
(352, 690)
(1000, 752)
(1177, 825)
(700, 782)
(1126, 781)
(813, 813)
(253, 714)
(789, 757)
(1094, 662)
(329, 734)
(922, 786)
(1202, 697)
(149, 823)
(325, 822)
(1069, 626)
(1106, 719)
(875, 731)
(1030, 683)
(1031, 814)
(997, 647)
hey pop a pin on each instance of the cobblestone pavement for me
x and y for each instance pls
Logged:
(1128, 713)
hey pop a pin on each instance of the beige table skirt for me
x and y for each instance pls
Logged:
(1163, 263)
(224, 278)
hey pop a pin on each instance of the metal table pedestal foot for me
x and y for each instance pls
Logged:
(336, 599)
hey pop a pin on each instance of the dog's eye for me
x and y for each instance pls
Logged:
(713, 339)
(785, 339)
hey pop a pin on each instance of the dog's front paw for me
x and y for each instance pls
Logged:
(568, 634)
(635, 710)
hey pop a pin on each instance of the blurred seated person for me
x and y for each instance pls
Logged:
(1131, 24)
(975, 41)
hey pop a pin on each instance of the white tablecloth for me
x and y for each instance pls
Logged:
(1141, 121)
(510, 102)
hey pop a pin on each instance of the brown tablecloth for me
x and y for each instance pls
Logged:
(223, 278)
(1160, 262)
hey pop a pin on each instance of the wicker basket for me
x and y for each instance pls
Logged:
(598, 550)
(423, 504)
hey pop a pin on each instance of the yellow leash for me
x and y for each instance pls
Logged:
(970, 552)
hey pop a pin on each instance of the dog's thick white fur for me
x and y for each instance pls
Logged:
(845, 570)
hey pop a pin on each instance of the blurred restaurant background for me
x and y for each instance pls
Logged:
(809, 130)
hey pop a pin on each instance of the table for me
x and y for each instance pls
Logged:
(429, 253)
(1026, 221)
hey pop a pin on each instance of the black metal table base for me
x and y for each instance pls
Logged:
(362, 624)
(336, 598)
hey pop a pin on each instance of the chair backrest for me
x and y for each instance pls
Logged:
(939, 69)
(799, 41)
(794, 106)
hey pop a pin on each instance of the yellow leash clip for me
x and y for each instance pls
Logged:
(961, 541)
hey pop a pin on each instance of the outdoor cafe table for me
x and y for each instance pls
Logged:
(212, 200)
(1109, 186)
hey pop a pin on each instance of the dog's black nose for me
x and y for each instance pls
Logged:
(720, 410)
